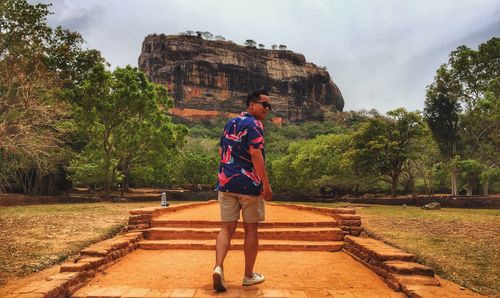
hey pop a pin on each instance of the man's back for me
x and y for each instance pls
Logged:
(236, 170)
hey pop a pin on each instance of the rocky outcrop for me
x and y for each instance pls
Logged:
(432, 206)
(217, 76)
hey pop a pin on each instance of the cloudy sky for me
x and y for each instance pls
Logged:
(381, 53)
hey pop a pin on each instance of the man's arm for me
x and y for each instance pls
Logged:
(260, 168)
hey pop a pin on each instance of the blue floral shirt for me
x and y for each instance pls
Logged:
(236, 171)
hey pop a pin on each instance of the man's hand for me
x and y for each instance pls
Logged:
(260, 168)
(267, 192)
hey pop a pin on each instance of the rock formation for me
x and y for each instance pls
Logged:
(217, 76)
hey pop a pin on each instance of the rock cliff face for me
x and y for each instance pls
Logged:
(218, 75)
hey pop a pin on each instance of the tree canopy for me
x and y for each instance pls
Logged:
(462, 107)
(123, 115)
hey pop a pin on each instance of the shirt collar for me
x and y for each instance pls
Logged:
(246, 114)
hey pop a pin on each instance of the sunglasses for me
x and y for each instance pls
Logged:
(264, 104)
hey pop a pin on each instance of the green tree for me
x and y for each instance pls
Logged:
(38, 68)
(199, 168)
(207, 35)
(383, 145)
(123, 115)
(490, 174)
(441, 112)
(470, 170)
(197, 163)
(462, 105)
(421, 170)
(314, 164)
(250, 43)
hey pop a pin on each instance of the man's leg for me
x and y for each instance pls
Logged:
(224, 241)
(251, 247)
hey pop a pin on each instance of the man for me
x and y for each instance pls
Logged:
(243, 185)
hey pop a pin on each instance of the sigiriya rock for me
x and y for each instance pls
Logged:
(216, 76)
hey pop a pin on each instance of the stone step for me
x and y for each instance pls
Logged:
(214, 223)
(131, 292)
(283, 245)
(311, 234)
(372, 250)
(397, 267)
(407, 268)
(420, 280)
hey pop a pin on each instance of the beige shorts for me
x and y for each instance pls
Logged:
(252, 207)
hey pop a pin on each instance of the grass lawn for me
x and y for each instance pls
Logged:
(34, 237)
(462, 245)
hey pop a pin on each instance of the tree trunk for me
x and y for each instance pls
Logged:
(486, 186)
(394, 186)
(411, 183)
(454, 185)
(469, 190)
(107, 162)
(107, 178)
(454, 171)
(125, 179)
(51, 184)
(113, 178)
(38, 186)
(22, 177)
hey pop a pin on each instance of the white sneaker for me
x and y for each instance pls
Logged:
(218, 279)
(255, 279)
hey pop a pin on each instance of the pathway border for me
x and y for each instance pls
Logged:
(97, 257)
(346, 217)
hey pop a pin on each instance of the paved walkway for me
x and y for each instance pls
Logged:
(315, 274)
(300, 257)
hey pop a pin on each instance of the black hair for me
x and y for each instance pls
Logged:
(255, 96)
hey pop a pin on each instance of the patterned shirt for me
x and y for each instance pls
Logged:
(236, 171)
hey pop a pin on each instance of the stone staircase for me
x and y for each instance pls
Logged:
(398, 268)
(274, 235)
(165, 228)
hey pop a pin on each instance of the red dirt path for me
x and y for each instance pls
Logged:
(273, 213)
(306, 271)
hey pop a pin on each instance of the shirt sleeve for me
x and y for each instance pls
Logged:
(223, 135)
(256, 135)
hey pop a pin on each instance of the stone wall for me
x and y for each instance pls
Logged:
(483, 202)
(74, 275)
(346, 217)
